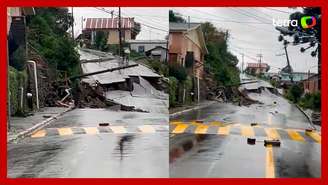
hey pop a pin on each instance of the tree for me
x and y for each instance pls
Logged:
(136, 30)
(48, 34)
(304, 35)
(220, 61)
(176, 17)
(18, 58)
(294, 93)
(101, 40)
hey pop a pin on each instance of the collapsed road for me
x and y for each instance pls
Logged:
(119, 140)
(226, 140)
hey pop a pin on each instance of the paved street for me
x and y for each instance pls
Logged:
(224, 152)
(134, 145)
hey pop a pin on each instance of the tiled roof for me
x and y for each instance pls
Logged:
(257, 65)
(109, 23)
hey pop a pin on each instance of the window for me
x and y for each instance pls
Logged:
(141, 49)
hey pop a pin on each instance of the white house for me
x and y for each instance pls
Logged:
(153, 48)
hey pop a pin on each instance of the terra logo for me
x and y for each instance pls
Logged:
(308, 21)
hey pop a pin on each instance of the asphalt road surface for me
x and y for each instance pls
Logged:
(229, 155)
(75, 146)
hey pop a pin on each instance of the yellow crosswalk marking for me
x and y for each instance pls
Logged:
(224, 130)
(201, 129)
(65, 131)
(216, 123)
(180, 128)
(40, 133)
(269, 165)
(314, 135)
(195, 123)
(294, 135)
(175, 122)
(147, 129)
(272, 133)
(118, 129)
(247, 131)
(91, 130)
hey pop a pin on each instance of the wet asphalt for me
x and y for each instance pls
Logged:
(230, 156)
(102, 155)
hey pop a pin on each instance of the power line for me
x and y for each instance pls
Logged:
(256, 15)
(281, 11)
(247, 14)
(106, 11)
(243, 23)
(225, 19)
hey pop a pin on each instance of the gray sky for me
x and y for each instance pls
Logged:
(154, 21)
(252, 39)
(251, 29)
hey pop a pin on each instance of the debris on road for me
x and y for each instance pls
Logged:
(275, 142)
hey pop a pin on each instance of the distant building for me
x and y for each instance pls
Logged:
(257, 68)
(187, 47)
(156, 49)
(159, 53)
(142, 46)
(295, 76)
(111, 27)
(311, 85)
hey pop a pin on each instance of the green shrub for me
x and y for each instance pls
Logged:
(16, 80)
(173, 85)
(19, 58)
(311, 101)
(178, 72)
(294, 93)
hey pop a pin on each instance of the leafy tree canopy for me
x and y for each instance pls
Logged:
(47, 33)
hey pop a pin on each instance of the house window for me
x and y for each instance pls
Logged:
(141, 49)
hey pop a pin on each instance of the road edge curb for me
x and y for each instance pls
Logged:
(191, 109)
(38, 126)
(307, 116)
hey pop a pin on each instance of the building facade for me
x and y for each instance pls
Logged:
(257, 68)
(111, 27)
(187, 47)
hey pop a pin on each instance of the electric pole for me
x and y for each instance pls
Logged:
(260, 62)
(121, 52)
(242, 63)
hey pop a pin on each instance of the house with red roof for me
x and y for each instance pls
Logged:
(111, 27)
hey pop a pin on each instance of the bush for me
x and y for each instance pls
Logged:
(18, 60)
(173, 83)
(311, 101)
(159, 67)
(178, 72)
(16, 80)
(294, 93)
(188, 86)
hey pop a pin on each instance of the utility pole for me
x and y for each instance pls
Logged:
(242, 63)
(72, 24)
(189, 22)
(121, 52)
(260, 61)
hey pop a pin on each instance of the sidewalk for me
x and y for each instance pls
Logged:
(22, 126)
(186, 108)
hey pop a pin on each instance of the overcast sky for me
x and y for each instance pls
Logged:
(154, 21)
(252, 32)
(251, 29)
